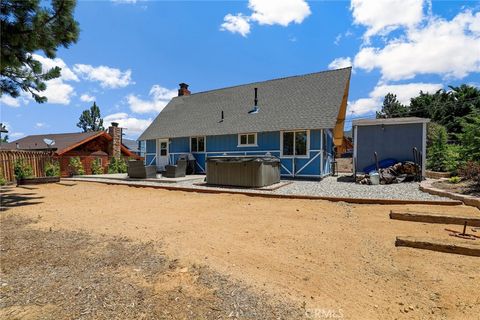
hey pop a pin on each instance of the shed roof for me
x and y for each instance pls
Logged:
(311, 101)
(388, 121)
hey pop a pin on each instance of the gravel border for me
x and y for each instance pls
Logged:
(327, 187)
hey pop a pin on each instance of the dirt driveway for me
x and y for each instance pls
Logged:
(332, 259)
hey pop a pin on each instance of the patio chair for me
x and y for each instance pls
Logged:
(137, 170)
(176, 171)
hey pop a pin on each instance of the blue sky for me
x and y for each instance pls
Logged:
(131, 55)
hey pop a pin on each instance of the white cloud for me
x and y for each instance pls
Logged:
(40, 124)
(442, 47)
(341, 62)
(131, 125)
(47, 64)
(282, 12)
(87, 98)
(236, 24)
(16, 135)
(267, 12)
(124, 1)
(9, 101)
(403, 91)
(58, 92)
(159, 97)
(381, 17)
(108, 77)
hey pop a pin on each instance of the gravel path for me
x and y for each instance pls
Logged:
(328, 187)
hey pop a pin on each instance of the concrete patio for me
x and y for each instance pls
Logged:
(158, 179)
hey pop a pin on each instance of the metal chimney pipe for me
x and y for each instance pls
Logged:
(256, 100)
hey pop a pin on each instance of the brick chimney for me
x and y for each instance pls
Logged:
(115, 145)
(183, 91)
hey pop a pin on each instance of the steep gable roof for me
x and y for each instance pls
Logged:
(300, 102)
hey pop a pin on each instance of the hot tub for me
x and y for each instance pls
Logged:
(243, 171)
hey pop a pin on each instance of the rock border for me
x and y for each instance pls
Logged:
(273, 195)
(426, 186)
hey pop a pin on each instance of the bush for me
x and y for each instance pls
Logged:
(22, 169)
(471, 170)
(442, 156)
(455, 179)
(3, 181)
(76, 166)
(122, 165)
(117, 165)
(470, 138)
(52, 169)
(97, 166)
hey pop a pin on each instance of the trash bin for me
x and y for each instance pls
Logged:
(190, 162)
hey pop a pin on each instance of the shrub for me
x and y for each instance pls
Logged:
(471, 170)
(76, 166)
(442, 156)
(52, 169)
(122, 165)
(112, 166)
(3, 181)
(117, 165)
(470, 138)
(97, 166)
(22, 169)
(455, 179)
(432, 132)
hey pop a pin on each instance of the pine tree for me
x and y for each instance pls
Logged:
(27, 27)
(91, 120)
(392, 108)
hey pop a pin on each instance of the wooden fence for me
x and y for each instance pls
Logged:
(36, 159)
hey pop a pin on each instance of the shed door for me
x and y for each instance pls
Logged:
(162, 154)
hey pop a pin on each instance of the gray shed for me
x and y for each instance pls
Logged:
(392, 138)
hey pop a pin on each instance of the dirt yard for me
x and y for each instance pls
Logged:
(90, 251)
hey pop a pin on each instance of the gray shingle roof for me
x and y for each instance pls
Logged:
(132, 145)
(309, 101)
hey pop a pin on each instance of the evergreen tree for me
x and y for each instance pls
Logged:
(470, 138)
(91, 120)
(392, 108)
(27, 27)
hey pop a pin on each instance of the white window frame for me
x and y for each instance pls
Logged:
(204, 144)
(306, 156)
(240, 145)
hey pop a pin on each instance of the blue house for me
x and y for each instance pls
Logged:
(298, 119)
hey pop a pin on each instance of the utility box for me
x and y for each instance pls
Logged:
(243, 171)
(393, 138)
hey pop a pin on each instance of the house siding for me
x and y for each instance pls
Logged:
(267, 142)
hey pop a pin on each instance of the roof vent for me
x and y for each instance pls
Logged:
(255, 108)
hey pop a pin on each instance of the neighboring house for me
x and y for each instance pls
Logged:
(86, 145)
(346, 148)
(132, 145)
(297, 119)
